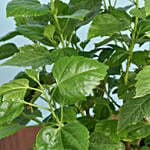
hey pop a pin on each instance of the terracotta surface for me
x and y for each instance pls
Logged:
(22, 140)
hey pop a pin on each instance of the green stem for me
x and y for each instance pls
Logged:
(34, 119)
(103, 42)
(105, 6)
(33, 105)
(131, 46)
(115, 3)
(35, 89)
(110, 3)
(62, 112)
(70, 39)
(57, 23)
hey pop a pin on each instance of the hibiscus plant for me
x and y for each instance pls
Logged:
(98, 98)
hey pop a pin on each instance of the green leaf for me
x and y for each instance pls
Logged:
(138, 12)
(75, 5)
(30, 55)
(31, 113)
(57, 54)
(88, 122)
(49, 31)
(147, 7)
(143, 26)
(73, 136)
(14, 89)
(133, 111)
(98, 141)
(143, 82)
(76, 77)
(139, 58)
(102, 109)
(118, 57)
(9, 36)
(33, 74)
(69, 114)
(137, 131)
(11, 95)
(108, 24)
(9, 110)
(108, 128)
(8, 50)
(32, 31)
(8, 130)
(26, 8)
(79, 15)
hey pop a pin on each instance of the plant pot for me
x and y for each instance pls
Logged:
(21, 140)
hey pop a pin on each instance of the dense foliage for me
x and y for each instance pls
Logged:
(82, 87)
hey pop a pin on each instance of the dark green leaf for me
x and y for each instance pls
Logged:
(98, 141)
(118, 57)
(102, 109)
(8, 50)
(133, 111)
(30, 55)
(30, 113)
(26, 8)
(9, 36)
(107, 24)
(57, 54)
(32, 31)
(74, 77)
(139, 58)
(109, 128)
(137, 131)
(73, 136)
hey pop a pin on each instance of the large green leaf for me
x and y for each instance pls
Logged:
(32, 31)
(26, 8)
(107, 24)
(30, 55)
(147, 7)
(57, 54)
(143, 82)
(99, 141)
(76, 76)
(133, 111)
(9, 110)
(73, 136)
(8, 50)
(8, 130)
(79, 15)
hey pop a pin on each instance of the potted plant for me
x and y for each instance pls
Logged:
(82, 88)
